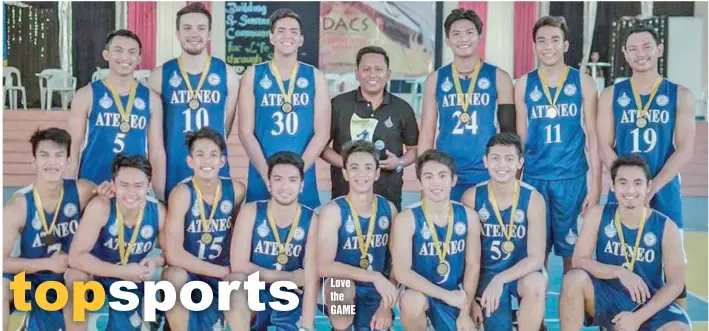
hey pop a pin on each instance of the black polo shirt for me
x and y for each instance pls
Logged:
(393, 123)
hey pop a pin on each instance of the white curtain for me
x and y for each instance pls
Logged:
(121, 15)
(589, 26)
(646, 8)
(65, 37)
(167, 46)
(218, 30)
(499, 38)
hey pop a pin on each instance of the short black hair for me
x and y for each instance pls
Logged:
(205, 133)
(437, 156)
(463, 14)
(556, 22)
(640, 28)
(284, 13)
(358, 146)
(285, 157)
(630, 160)
(60, 136)
(195, 7)
(372, 50)
(136, 161)
(505, 139)
(123, 33)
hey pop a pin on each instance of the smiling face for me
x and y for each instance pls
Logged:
(463, 38)
(205, 159)
(194, 33)
(373, 73)
(437, 181)
(550, 46)
(122, 55)
(641, 52)
(285, 184)
(631, 186)
(131, 186)
(503, 162)
(361, 172)
(50, 160)
(286, 36)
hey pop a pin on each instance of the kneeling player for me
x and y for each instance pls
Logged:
(116, 236)
(276, 238)
(623, 288)
(198, 235)
(437, 249)
(45, 216)
(359, 251)
(513, 240)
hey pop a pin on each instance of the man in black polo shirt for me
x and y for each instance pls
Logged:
(372, 113)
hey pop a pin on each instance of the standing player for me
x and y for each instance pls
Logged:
(283, 106)
(278, 239)
(359, 251)
(556, 120)
(652, 117)
(117, 115)
(198, 235)
(197, 90)
(116, 236)
(623, 288)
(45, 217)
(513, 240)
(460, 101)
(437, 249)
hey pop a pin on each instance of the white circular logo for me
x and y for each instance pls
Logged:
(299, 234)
(195, 210)
(425, 233)
(383, 222)
(483, 83)
(147, 232)
(175, 80)
(610, 231)
(70, 210)
(662, 100)
(484, 214)
(213, 79)
(225, 207)
(113, 229)
(349, 225)
(570, 89)
(105, 101)
(446, 85)
(650, 239)
(519, 216)
(36, 223)
(263, 229)
(459, 228)
(265, 82)
(139, 104)
(302, 82)
(535, 95)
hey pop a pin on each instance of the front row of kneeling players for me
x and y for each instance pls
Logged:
(356, 237)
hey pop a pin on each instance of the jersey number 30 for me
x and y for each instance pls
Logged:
(287, 123)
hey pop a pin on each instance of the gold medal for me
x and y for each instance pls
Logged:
(363, 244)
(464, 99)
(629, 262)
(442, 269)
(124, 127)
(282, 259)
(465, 117)
(206, 238)
(364, 263)
(125, 252)
(204, 221)
(124, 112)
(552, 112)
(641, 122)
(48, 229)
(194, 104)
(49, 240)
(287, 107)
(441, 250)
(508, 246)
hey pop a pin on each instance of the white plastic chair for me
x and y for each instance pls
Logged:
(12, 86)
(99, 74)
(44, 77)
(65, 85)
(142, 76)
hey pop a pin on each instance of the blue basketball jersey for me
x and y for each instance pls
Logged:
(466, 142)
(179, 119)
(425, 256)
(648, 264)
(555, 147)
(494, 258)
(265, 249)
(655, 142)
(348, 245)
(103, 140)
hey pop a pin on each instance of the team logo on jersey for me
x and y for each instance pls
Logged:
(70, 210)
(483, 83)
(195, 210)
(263, 229)
(105, 101)
(213, 79)
(302, 82)
(650, 239)
(623, 100)
(299, 234)
(139, 104)
(147, 232)
(425, 233)
(265, 82)
(535, 95)
(446, 85)
(383, 222)
(388, 123)
(570, 237)
(519, 216)
(570, 89)
(610, 230)
(175, 80)
(662, 100)
(225, 207)
(349, 225)
(459, 228)
(484, 214)
(113, 229)
(135, 320)
(36, 223)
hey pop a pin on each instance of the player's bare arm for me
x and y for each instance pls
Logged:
(78, 119)
(321, 126)
(590, 98)
(472, 263)
(175, 252)
(156, 146)
(429, 114)
(505, 96)
(536, 241)
(232, 85)
(310, 265)
(239, 194)
(586, 245)
(86, 189)
(155, 80)
(521, 108)
(247, 123)
(605, 126)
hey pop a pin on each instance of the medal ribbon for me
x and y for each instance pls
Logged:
(631, 263)
(363, 245)
(493, 202)
(124, 255)
(125, 112)
(279, 80)
(200, 203)
(642, 111)
(274, 229)
(40, 210)
(186, 77)
(559, 84)
(434, 235)
(464, 100)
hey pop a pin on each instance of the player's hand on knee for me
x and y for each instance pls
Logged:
(132, 272)
(105, 189)
(639, 291)
(491, 296)
(625, 321)
(477, 314)
(148, 266)
(386, 290)
(58, 263)
(464, 323)
(382, 318)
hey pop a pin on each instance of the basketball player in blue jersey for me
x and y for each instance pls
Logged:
(623, 287)
(283, 106)
(437, 248)
(513, 240)
(116, 235)
(556, 120)
(278, 239)
(198, 235)
(652, 117)
(464, 101)
(117, 115)
(359, 252)
(196, 90)
(44, 216)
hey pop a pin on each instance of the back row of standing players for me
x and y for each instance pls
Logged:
(552, 109)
